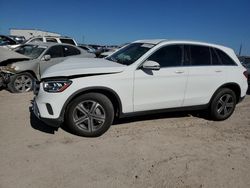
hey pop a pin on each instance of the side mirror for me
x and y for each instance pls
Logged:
(46, 58)
(151, 65)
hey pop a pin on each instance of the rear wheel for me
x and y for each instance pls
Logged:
(20, 83)
(90, 115)
(223, 104)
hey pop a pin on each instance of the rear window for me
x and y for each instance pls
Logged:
(215, 58)
(37, 40)
(68, 41)
(225, 59)
(51, 40)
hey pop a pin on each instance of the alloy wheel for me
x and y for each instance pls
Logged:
(89, 116)
(225, 105)
(23, 83)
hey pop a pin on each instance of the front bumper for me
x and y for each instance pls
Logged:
(51, 122)
(4, 78)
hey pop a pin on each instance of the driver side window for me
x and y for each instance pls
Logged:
(55, 51)
(168, 56)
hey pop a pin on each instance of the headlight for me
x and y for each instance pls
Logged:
(15, 67)
(56, 86)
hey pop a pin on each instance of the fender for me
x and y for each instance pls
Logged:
(91, 89)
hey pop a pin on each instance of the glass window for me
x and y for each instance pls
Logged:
(55, 51)
(83, 47)
(130, 53)
(51, 40)
(6, 41)
(70, 50)
(68, 41)
(32, 51)
(37, 40)
(200, 55)
(215, 58)
(169, 56)
(225, 59)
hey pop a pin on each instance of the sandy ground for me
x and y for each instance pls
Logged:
(167, 150)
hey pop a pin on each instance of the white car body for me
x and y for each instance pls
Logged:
(167, 88)
(52, 39)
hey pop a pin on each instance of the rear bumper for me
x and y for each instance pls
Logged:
(51, 122)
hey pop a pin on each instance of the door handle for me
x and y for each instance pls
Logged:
(218, 71)
(179, 72)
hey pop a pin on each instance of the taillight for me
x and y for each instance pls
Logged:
(245, 74)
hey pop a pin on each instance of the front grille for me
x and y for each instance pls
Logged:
(36, 87)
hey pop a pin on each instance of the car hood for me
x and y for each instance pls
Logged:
(82, 66)
(6, 55)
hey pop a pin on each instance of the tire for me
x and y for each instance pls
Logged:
(89, 115)
(21, 83)
(223, 104)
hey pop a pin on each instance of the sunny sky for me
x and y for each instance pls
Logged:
(116, 22)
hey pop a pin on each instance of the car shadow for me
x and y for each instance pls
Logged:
(39, 125)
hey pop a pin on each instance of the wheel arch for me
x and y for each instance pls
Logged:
(233, 86)
(110, 93)
(30, 72)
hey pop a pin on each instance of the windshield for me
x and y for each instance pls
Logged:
(33, 51)
(130, 53)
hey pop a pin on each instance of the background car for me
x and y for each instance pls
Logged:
(60, 39)
(7, 41)
(18, 39)
(86, 47)
(19, 76)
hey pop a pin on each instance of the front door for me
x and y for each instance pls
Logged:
(56, 54)
(164, 88)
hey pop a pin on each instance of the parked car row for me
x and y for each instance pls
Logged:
(87, 93)
(25, 64)
(18, 75)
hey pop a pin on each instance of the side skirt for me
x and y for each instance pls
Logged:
(179, 109)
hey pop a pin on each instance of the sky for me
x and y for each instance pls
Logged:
(225, 22)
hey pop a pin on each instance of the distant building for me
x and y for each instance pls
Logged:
(28, 33)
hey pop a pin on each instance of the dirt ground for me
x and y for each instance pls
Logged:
(167, 150)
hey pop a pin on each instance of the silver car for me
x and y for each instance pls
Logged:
(19, 76)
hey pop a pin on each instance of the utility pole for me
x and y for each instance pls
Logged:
(240, 49)
(83, 39)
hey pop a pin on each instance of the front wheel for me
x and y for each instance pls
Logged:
(90, 115)
(20, 83)
(223, 104)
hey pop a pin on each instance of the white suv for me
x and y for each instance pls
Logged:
(59, 39)
(143, 77)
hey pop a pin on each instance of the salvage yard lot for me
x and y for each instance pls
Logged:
(167, 150)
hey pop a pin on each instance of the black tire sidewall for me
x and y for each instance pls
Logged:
(103, 101)
(213, 107)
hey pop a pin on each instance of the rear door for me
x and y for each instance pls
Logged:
(206, 74)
